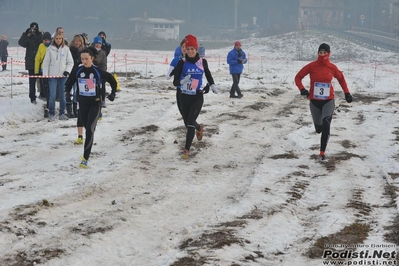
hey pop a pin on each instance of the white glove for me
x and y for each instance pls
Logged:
(185, 80)
(214, 89)
(167, 76)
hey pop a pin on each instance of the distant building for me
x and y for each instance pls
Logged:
(158, 28)
(321, 13)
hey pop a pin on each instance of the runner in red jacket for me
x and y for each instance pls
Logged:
(321, 93)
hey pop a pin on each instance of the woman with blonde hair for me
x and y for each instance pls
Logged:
(57, 64)
(76, 46)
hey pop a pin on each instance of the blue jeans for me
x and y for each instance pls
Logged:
(54, 85)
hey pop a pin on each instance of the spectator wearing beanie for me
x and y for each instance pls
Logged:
(100, 60)
(3, 52)
(41, 52)
(105, 45)
(188, 74)
(321, 92)
(30, 39)
(236, 59)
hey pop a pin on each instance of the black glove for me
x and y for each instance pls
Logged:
(111, 97)
(304, 92)
(239, 61)
(348, 97)
(206, 88)
(66, 73)
(28, 30)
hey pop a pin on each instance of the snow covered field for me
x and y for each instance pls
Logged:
(252, 191)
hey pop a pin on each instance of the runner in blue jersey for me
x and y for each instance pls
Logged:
(188, 75)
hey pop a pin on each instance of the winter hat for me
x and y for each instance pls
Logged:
(324, 47)
(103, 33)
(47, 36)
(34, 24)
(97, 39)
(191, 40)
(237, 43)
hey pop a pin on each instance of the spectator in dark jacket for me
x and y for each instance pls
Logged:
(31, 39)
(3, 52)
(105, 45)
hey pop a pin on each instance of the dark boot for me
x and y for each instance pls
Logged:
(69, 111)
(75, 111)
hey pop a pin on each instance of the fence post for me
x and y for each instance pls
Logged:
(146, 64)
(114, 62)
(11, 76)
(248, 61)
(126, 64)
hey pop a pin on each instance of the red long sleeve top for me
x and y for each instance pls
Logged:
(321, 73)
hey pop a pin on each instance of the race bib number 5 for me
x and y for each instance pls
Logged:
(321, 90)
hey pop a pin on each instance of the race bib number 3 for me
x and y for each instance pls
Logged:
(87, 87)
(321, 90)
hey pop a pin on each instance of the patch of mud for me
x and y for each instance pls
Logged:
(390, 191)
(5, 181)
(360, 208)
(348, 144)
(394, 175)
(297, 191)
(33, 257)
(318, 207)
(223, 235)
(396, 133)
(190, 261)
(139, 131)
(233, 115)
(258, 106)
(351, 234)
(334, 159)
(288, 155)
(286, 112)
(255, 214)
(236, 223)
(212, 240)
(366, 99)
(392, 231)
(89, 229)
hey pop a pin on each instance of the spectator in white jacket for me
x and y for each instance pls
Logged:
(57, 64)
